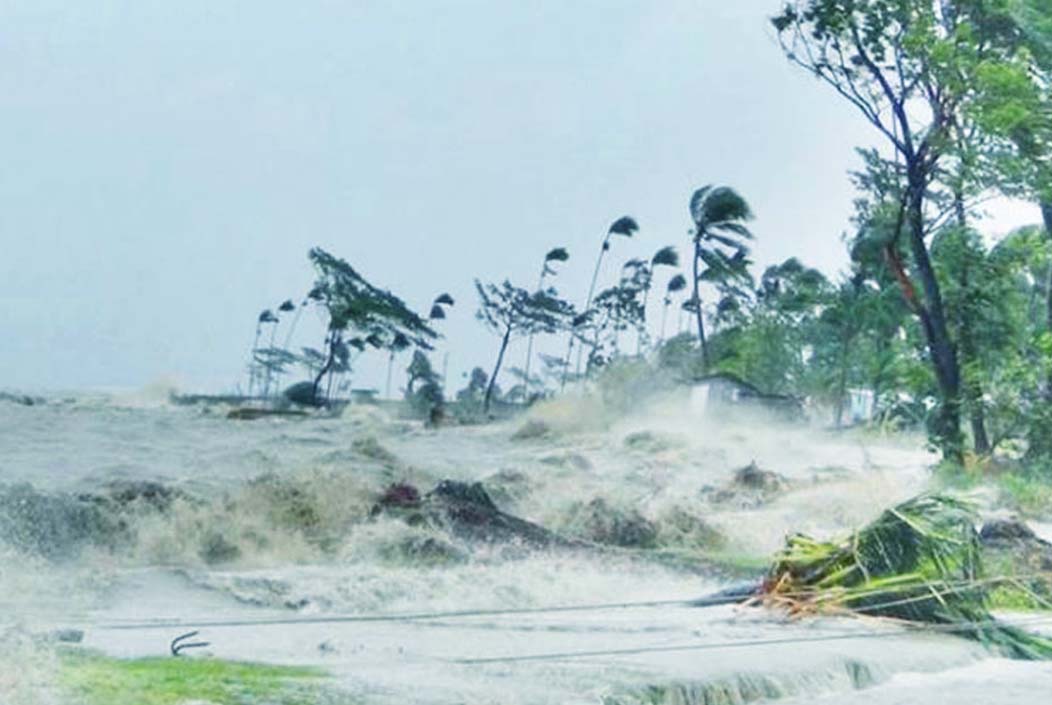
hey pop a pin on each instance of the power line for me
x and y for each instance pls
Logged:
(735, 595)
(559, 656)
(710, 601)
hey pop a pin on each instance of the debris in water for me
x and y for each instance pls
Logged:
(920, 561)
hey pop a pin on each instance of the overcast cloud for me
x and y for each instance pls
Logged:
(166, 166)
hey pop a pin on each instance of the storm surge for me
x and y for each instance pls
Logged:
(116, 513)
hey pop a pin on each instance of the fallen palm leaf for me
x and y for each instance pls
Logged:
(919, 562)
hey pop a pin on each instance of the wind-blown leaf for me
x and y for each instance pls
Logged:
(625, 225)
(666, 256)
(711, 205)
(677, 283)
(559, 254)
(736, 228)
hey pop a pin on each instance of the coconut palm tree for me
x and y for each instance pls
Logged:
(625, 226)
(559, 254)
(665, 257)
(675, 284)
(265, 317)
(719, 239)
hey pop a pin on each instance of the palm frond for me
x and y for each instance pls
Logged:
(718, 205)
(734, 227)
(919, 561)
(559, 254)
(625, 225)
(697, 203)
(666, 257)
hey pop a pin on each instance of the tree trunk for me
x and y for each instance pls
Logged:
(697, 309)
(841, 391)
(642, 331)
(390, 368)
(496, 370)
(1046, 215)
(664, 320)
(566, 367)
(252, 363)
(591, 293)
(973, 386)
(526, 372)
(331, 340)
(529, 342)
(947, 429)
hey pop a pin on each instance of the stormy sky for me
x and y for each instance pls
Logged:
(167, 165)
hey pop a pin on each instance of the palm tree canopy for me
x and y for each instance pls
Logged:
(268, 317)
(437, 313)
(625, 225)
(559, 254)
(720, 208)
(287, 306)
(677, 283)
(444, 299)
(666, 256)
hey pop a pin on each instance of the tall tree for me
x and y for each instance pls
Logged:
(558, 254)
(906, 66)
(675, 285)
(510, 312)
(665, 257)
(625, 226)
(720, 250)
(374, 316)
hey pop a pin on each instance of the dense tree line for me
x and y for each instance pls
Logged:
(940, 326)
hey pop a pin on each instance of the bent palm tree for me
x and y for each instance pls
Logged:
(625, 226)
(558, 254)
(719, 243)
(267, 316)
(675, 284)
(665, 257)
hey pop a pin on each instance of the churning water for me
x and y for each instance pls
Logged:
(127, 509)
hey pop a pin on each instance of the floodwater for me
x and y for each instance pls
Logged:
(273, 520)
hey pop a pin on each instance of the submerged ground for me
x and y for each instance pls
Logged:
(128, 512)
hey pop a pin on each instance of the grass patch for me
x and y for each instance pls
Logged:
(92, 679)
(1010, 598)
(1030, 495)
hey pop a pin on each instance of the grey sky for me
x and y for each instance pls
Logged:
(166, 166)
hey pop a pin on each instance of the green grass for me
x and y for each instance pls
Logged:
(1010, 598)
(91, 679)
(1028, 494)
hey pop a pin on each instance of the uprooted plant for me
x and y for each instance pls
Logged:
(919, 562)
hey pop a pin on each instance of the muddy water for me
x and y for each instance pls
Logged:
(272, 519)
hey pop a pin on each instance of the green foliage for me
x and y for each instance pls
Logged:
(1029, 492)
(424, 386)
(919, 561)
(92, 679)
(510, 311)
(352, 303)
